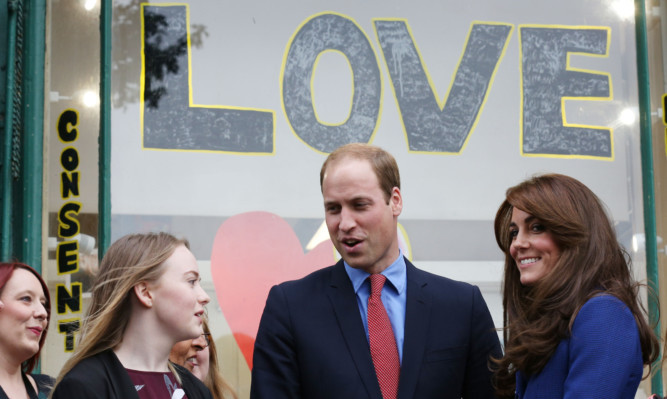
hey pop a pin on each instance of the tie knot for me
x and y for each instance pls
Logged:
(377, 282)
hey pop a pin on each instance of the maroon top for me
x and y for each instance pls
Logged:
(156, 385)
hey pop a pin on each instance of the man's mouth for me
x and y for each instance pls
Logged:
(350, 242)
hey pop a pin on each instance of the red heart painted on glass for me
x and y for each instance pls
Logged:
(252, 252)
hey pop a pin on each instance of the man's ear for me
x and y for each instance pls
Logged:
(396, 201)
(143, 294)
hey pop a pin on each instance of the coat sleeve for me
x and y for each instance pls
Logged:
(605, 352)
(275, 372)
(484, 344)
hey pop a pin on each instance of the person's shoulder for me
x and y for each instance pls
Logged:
(183, 372)
(437, 281)
(601, 310)
(194, 388)
(89, 369)
(87, 379)
(604, 303)
(311, 278)
(44, 382)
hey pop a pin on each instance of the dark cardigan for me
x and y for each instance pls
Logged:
(103, 377)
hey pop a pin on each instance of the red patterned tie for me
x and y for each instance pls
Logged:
(382, 341)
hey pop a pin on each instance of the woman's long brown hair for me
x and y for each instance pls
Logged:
(537, 317)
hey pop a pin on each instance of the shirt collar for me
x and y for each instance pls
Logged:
(395, 273)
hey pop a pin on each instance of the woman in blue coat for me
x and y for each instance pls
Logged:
(574, 326)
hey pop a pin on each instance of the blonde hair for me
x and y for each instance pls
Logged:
(213, 380)
(130, 260)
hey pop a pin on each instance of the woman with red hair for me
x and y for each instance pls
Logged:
(25, 308)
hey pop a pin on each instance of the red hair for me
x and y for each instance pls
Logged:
(6, 271)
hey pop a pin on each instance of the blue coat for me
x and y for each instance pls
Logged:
(601, 359)
(311, 341)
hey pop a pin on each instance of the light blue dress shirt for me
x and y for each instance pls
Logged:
(393, 296)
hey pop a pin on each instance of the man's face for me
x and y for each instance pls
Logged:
(362, 225)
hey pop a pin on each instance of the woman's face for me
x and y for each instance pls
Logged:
(178, 298)
(533, 247)
(202, 363)
(23, 317)
(193, 354)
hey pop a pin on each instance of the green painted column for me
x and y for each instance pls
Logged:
(6, 179)
(33, 133)
(104, 219)
(648, 182)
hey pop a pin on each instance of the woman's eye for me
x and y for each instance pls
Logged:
(538, 228)
(513, 234)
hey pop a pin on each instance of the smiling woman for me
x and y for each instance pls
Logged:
(200, 356)
(25, 308)
(574, 325)
(145, 298)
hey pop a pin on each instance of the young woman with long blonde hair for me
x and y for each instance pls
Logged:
(145, 298)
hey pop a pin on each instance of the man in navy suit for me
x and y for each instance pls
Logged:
(313, 339)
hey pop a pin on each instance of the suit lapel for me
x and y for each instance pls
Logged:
(344, 301)
(417, 316)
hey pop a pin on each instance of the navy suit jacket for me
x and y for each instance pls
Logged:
(311, 341)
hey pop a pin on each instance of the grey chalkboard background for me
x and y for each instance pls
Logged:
(459, 147)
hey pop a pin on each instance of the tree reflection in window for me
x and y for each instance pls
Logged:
(161, 55)
(126, 50)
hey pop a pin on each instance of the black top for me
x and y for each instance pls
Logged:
(44, 385)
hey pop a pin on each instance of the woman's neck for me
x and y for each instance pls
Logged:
(11, 379)
(9, 368)
(142, 348)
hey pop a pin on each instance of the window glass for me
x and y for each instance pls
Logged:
(222, 114)
(70, 169)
